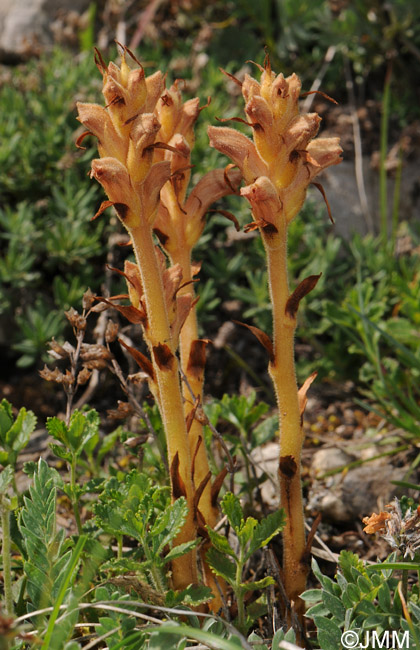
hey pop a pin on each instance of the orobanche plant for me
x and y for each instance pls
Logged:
(277, 168)
(145, 136)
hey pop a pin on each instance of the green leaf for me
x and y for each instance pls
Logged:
(58, 430)
(353, 592)
(213, 641)
(130, 642)
(221, 565)
(60, 452)
(246, 531)
(364, 584)
(254, 638)
(220, 542)
(43, 545)
(289, 636)
(384, 597)
(366, 608)
(374, 620)
(108, 443)
(231, 507)
(312, 595)
(266, 529)
(109, 517)
(19, 433)
(6, 419)
(326, 641)
(334, 605)
(329, 634)
(415, 610)
(168, 523)
(6, 477)
(180, 549)
(82, 428)
(349, 561)
(399, 566)
(265, 431)
(192, 595)
(317, 610)
(258, 584)
(65, 582)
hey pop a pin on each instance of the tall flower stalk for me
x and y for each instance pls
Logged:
(277, 167)
(179, 224)
(145, 136)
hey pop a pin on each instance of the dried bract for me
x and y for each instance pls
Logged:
(401, 532)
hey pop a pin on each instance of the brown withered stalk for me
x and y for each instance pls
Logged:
(277, 167)
(145, 134)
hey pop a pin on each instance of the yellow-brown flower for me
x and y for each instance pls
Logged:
(283, 157)
(126, 131)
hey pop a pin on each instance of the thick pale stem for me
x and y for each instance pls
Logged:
(188, 334)
(282, 372)
(184, 569)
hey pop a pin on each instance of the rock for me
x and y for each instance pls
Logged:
(360, 492)
(266, 460)
(325, 460)
(340, 185)
(27, 26)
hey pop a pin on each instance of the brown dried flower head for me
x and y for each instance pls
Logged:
(401, 532)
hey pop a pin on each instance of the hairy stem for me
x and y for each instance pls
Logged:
(282, 372)
(188, 334)
(184, 570)
(193, 386)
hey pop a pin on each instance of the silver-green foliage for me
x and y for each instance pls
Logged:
(46, 559)
(361, 598)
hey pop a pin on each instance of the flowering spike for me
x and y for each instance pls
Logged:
(278, 165)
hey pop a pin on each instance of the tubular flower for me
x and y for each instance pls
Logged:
(283, 149)
(180, 220)
(126, 131)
